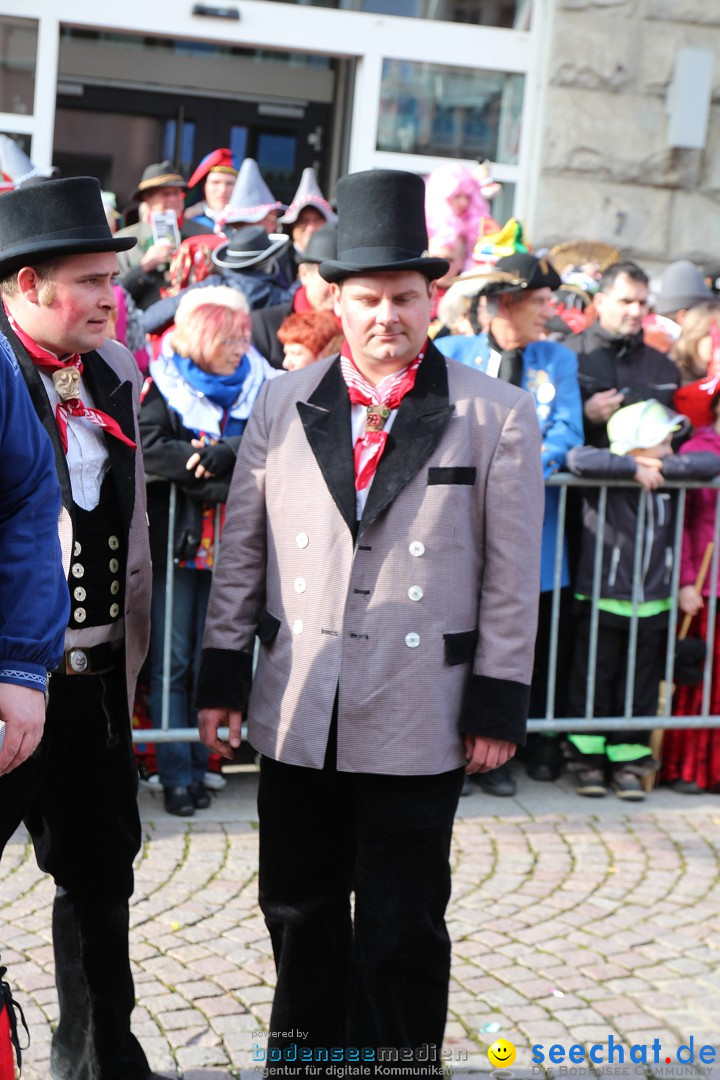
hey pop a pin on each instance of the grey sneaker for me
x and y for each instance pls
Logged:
(627, 785)
(591, 782)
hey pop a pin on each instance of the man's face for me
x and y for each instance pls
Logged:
(317, 289)
(218, 189)
(622, 308)
(71, 310)
(527, 313)
(385, 318)
(308, 221)
(162, 199)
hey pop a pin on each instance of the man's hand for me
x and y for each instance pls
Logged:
(599, 407)
(23, 710)
(690, 600)
(156, 255)
(210, 720)
(483, 754)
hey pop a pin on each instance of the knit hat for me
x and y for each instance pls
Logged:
(251, 199)
(308, 194)
(682, 285)
(642, 426)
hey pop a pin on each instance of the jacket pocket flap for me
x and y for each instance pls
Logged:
(456, 474)
(460, 648)
(268, 628)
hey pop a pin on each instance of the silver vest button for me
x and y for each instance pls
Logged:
(77, 549)
(297, 626)
(412, 640)
(114, 611)
(113, 543)
(417, 548)
(114, 566)
(300, 585)
(302, 540)
(79, 614)
(115, 588)
(78, 570)
(79, 594)
(415, 592)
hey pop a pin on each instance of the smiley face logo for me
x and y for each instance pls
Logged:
(501, 1054)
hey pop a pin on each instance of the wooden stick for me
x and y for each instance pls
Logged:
(699, 582)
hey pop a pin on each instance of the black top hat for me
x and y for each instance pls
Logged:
(155, 176)
(321, 246)
(248, 247)
(381, 226)
(60, 217)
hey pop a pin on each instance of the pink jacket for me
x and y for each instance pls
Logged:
(699, 514)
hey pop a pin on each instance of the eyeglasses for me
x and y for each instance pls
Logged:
(244, 340)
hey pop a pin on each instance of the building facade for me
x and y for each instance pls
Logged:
(568, 100)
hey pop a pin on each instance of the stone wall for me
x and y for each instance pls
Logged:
(605, 170)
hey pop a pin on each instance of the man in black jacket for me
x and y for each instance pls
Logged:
(615, 366)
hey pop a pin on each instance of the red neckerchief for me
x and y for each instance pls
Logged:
(380, 401)
(48, 362)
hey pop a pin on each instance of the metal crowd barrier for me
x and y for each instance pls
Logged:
(550, 722)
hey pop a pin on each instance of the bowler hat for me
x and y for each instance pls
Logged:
(382, 226)
(60, 217)
(322, 245)
(160, 175)
(249, 247)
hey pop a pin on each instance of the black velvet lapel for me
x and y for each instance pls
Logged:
(326, 419)
(43, 408)
(115, 399)
(420, 422)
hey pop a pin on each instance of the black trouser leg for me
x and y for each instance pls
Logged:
(402, 888)
(86, 830)
(306, 857)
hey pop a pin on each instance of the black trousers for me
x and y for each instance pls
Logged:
(380, 979)
(611, 674)
(78, 798)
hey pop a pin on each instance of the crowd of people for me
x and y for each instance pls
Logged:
(375, 391)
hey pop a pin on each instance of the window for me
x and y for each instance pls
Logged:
(443, 111)
(18, 49)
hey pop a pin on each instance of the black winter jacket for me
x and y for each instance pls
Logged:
(621, 522)
(166, 447)
(625, 364)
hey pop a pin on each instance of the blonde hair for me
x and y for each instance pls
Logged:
(457, 302)
(205, 315)
(695, 326)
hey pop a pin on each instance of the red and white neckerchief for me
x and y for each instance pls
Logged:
(380, 401)
(71, 405)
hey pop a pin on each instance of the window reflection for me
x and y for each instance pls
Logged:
(445, 111)
(507, 13)
(18, 49)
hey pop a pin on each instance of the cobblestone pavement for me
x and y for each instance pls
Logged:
(571, 920)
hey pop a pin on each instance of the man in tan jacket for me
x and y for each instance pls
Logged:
(383, 542)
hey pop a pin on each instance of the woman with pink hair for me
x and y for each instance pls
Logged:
(455, 207)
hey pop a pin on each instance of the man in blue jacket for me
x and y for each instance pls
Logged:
(34, 603)
(519, 294)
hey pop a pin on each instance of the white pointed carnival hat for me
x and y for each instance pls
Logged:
(17, 167)
(251, 199)
(308, 194)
